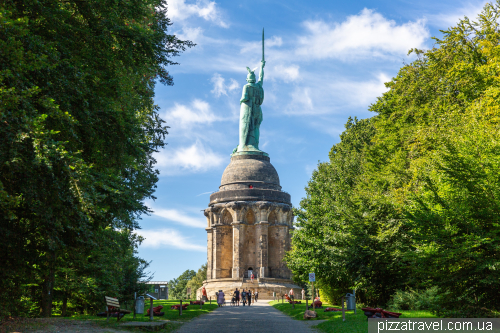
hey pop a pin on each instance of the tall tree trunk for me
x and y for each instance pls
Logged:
(48, 288)
(64, 304)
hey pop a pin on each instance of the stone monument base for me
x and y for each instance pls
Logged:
(265, 287)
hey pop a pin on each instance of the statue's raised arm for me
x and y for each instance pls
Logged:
(261, 74)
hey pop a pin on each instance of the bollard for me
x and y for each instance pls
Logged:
(307, 303)
(180, 309)
(135, 300)
(151, 309)
(343, 311)
(354, 294)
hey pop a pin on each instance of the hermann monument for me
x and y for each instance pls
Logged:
(249, 218)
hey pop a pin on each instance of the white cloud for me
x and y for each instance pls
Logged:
(287, 73)
(220, 88)
(256, 46)
(169, 238)
(183, 116)
(320, 95)
(180, 217)
(234, 85)
(366, 34)
(194, 158)
(180, 10)
(273, 41)
(301, 101)
(204, 193)
(192, 34)
(361, 94)
(218, 82)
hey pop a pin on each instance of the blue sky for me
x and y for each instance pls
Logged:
(325, 61)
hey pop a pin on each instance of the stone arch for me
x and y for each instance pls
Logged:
(273, 218)
(249, 217)
(226, 217)
(215, 218)
(207, 214)
(224, 249)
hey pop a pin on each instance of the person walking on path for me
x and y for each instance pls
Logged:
(237, 296)
(244, 297)
(220, 298)
(249, 297)
(256, 296)
(303, 294)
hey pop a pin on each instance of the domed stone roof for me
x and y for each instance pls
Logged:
(250, 178)
(250, 171)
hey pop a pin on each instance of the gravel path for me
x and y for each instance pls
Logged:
(260, 317)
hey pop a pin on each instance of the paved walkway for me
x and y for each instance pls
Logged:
(259, 317)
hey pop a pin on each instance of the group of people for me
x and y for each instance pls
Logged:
(246, 297)
(292, 296)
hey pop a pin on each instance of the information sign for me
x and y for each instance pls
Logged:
(312, 277)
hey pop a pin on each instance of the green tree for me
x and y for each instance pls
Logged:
(197, 281)
(78, 128)
(178, 286)
(436, 150)
(416, 207)
(340, 237)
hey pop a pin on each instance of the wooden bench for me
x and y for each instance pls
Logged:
(114, 303)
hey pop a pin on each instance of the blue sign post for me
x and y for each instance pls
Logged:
(312, 278)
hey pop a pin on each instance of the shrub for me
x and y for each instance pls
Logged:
(414, 299)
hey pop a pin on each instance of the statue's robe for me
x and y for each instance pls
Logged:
(251, 116)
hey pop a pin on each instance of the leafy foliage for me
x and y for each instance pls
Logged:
(408, 198)
(197, 281)
(414, 299)
(78, 129)
(178, 286)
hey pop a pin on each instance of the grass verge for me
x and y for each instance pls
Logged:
(188, 314)
(191, 312)
(354, 323)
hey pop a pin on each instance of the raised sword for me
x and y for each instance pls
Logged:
(262, 44)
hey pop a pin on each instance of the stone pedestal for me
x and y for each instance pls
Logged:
(248, 223)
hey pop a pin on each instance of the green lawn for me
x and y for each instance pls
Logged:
(188, 314)
(353, 322)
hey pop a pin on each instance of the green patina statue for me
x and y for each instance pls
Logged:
(251, 112)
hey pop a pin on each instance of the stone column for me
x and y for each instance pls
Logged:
(209, 252)
(261, 235)
(237, 250)
(283, 239)
(216, 239)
